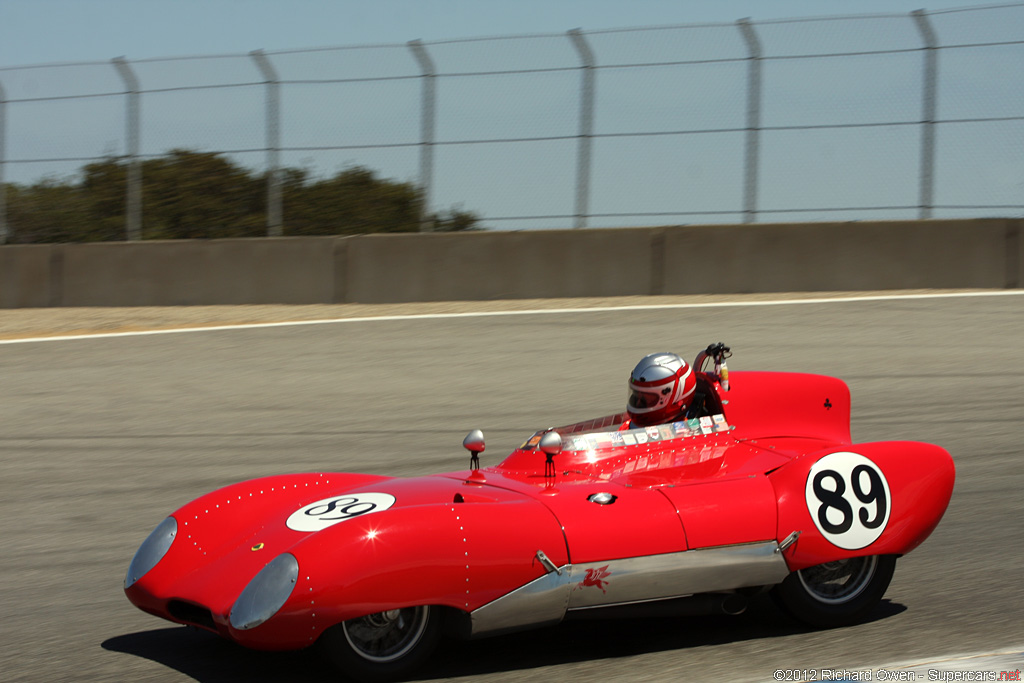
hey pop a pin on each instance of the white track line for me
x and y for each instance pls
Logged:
(536, 311)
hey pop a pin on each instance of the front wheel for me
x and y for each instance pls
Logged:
(836, 593)
(385, 645)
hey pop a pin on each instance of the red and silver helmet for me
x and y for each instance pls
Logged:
(660, 388)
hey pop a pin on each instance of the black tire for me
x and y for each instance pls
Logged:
(385, 646)
(836, 593)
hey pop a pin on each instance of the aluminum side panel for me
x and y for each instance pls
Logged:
(709, 570)
(636, 579)
(538, 603)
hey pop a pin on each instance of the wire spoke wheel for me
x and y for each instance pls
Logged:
(386, 637)
(383, 646)
(836, 593)
(835, 583)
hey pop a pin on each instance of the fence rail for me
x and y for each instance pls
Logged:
(871, 116)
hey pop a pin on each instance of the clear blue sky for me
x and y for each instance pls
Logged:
(47, 31)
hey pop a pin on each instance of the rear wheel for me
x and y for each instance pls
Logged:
(836, 593)
(385, 645)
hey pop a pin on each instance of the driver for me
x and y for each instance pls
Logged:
(661, 389)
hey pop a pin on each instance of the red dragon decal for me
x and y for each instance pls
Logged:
(595, 577)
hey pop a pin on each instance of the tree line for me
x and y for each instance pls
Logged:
(203, 195)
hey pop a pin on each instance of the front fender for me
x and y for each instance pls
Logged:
(867, 499)
(226, 536)
(455, 554)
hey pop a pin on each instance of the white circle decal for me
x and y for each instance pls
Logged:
(848, 498)
(330, 511)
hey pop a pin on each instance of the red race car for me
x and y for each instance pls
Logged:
(755, 486)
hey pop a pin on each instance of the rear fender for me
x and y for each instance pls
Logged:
(867, 499)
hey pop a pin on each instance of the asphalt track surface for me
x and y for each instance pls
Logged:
(103, 437)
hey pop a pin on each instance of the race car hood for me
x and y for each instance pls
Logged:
(361, 542)
(225, 537)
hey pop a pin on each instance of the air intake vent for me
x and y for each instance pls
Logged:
(191, 614)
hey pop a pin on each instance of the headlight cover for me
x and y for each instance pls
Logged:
(266, 593)
(152, 550)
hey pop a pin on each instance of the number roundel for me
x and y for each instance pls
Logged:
(848, 498)
(330, 511)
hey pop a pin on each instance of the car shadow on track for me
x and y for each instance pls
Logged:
(207, 658)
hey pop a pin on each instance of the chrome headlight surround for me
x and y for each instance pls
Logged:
(266, 593)
(151, 551)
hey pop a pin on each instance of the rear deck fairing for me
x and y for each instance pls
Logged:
(780, 404)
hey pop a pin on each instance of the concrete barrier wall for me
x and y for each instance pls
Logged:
(25, 273)
(983, 253)
(842, 256)
(498, 265)
(189, 272)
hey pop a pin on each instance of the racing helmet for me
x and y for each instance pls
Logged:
(660, 388)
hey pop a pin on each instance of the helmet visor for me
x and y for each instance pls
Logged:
(645, 400)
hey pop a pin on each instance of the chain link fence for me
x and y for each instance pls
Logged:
(839, 118)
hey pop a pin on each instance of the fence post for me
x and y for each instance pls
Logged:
(427, 71)
(586, 136)
(753, 141)
(929, 99)
(133, 209)
(273, 134)
(3, 165)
